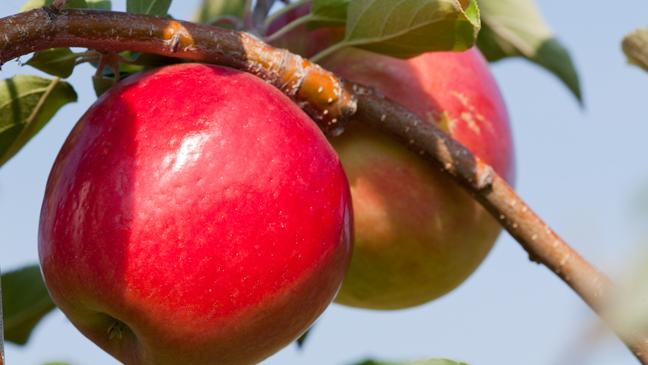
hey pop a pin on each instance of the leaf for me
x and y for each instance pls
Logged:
(54, 61)
(27, 103)
(512, 28)
(212, 9)
(635, 47)
(302, 339)
(318, 13)
(102, 84)
(419, 362)
(627, 310)
(407, 28)
(33, 4)
(26, 302)
(150, 7)
(99, 4)
(328, 12)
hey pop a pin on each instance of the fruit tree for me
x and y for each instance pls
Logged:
(237, 174)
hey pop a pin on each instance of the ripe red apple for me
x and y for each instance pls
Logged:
(195, 215)
(417, 235)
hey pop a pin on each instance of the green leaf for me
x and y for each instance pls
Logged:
(419, 362)
(33, 4)
(54, 61)
(102, 84)
(515, 28)
(302, 339)
(99, 4)
(635, 47)
(212, 9)
(328, 12)
(315, 14)
(27, 103)
(26, 302)
(627, 310)
(407, 28)
(150, 7)
(76, 4)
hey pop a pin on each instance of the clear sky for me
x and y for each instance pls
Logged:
(581, 169)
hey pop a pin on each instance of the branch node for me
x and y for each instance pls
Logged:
(485, 176)
(175, 36)
(535, 259)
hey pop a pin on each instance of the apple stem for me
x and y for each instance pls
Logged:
(287, 28)
(329, 51)
(331, 103)
(275, 15)
(248, 19)
(260, 14)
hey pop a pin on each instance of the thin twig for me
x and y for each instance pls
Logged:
(248, 15)
(330, 103)
(260, 13)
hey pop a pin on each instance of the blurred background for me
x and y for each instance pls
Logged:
(584, 170)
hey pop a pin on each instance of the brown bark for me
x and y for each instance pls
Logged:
(329, 102)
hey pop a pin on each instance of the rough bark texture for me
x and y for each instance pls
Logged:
(329, 102)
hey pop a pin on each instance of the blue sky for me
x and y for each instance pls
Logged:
(581, 169)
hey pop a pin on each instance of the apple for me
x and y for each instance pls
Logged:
(417, 234)
(195, 215)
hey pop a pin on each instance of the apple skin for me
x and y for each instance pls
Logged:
(195, 215)
(417, 234)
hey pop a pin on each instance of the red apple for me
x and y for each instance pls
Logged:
(417, 235)
(195, 215)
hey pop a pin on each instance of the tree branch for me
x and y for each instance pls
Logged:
(542, 244)
(317, 91)
(330, 103)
